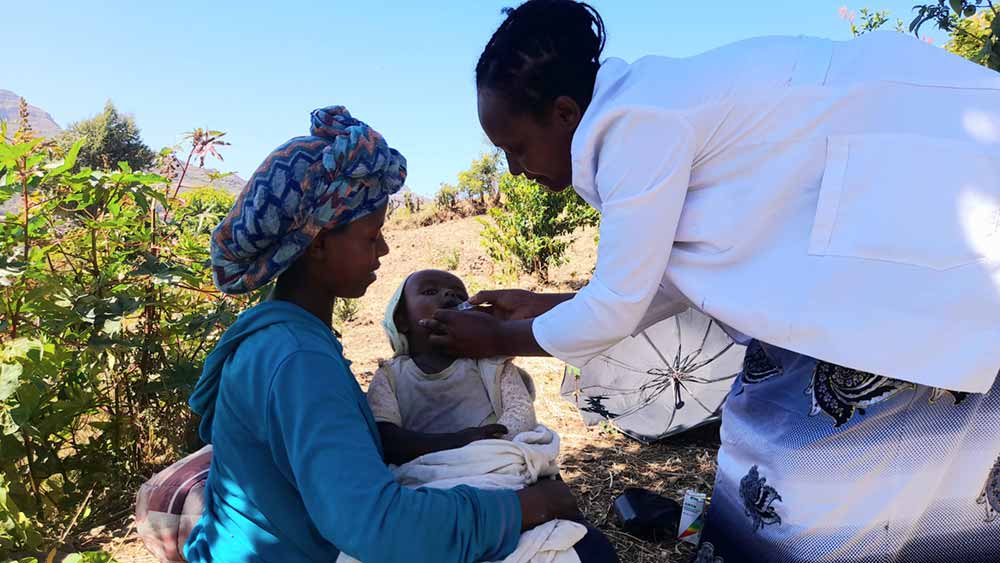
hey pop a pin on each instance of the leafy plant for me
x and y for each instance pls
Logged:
(108, 138)
(868, 21)
(85, 557)
(449, 259)
(446, 197)
(481, 182)
(977, 38)
(107, 310)
(346, 310)
(972, 25)
(411, 202)
(528, 229)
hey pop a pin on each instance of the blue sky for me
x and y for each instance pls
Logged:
(256, 69)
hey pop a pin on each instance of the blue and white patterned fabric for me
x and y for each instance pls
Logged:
(341, 172)
(821, 463)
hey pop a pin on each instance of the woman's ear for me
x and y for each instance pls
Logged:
(317, 247)
(566, 112)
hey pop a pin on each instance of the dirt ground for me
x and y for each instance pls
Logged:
(597, 462)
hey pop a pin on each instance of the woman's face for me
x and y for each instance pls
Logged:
(537, 148)
(346, 260)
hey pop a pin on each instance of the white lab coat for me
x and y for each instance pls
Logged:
(837, 199)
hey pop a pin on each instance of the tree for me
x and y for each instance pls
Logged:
(969, 37)
(529, 226)
(966, 40)
(110, 138)
(579, 213)
(972, 26)
(482, 180)
(411, 202)
(446, 197)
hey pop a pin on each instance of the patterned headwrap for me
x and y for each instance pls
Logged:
(341, 172)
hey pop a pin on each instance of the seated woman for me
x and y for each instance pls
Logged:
(425, 400)
(297, 472)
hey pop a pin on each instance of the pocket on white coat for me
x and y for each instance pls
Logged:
(908, 199)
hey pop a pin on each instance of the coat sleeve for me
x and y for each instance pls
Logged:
(321, 425)
(644, 161)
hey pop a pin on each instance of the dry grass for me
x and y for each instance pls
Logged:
(598, 463)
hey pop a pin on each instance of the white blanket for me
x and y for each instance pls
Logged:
(501, 464)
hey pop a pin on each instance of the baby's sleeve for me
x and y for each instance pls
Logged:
(382, 399)
(518, 411)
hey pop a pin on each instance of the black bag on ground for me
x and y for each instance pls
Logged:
(647, 515)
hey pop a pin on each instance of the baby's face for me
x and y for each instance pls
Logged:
(429, 290)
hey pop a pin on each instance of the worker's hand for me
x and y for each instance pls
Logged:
(464, 334)
(546, 500)
(515, 304)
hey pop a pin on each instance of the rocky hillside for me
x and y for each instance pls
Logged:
(41, 122)
(399, 197)
(44, 126)
(197, 177)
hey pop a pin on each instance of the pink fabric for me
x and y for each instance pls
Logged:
(170, 504)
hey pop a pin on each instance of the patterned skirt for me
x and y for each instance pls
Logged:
(821, 463)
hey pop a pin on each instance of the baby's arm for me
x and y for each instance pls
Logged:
(518, 411)
(400, 445)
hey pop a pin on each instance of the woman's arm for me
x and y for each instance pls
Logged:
(318, 421)
(402, 446)
(474, 334)
(517, 304)
(508, 333)
(645, 158)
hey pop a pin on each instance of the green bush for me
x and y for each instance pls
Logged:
(446, 197)
(107, 310)
(346, 310)
(108, 138)
(449, 259)
(480, 182)
(977, 38)
(202, 209)
(528, 228)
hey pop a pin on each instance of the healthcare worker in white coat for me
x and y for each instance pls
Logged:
(834, 205)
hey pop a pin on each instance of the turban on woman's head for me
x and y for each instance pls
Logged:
(341, 172)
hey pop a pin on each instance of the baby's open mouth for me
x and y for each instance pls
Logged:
(462, 306)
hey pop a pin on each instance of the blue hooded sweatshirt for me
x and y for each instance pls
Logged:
(297, 472)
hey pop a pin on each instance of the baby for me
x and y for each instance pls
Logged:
(426, 401)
